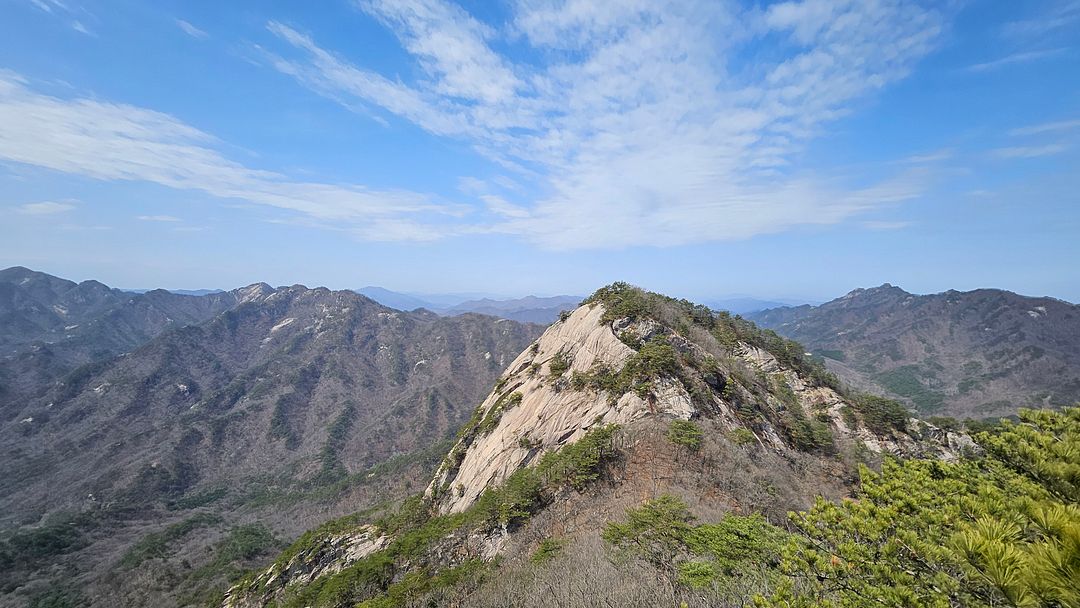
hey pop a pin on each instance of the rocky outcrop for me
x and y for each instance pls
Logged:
(923, 439)
(331, 554)
(534, 410)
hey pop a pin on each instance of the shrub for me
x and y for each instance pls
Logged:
(559, 364)
(493, 415)
(945, 423)
(685, 433)
(996, 530)
(881, 415)
(549, 548)
(599, 378)
(656, 531)
(621, 300)
(656, 358)
(164, 543)
(741, 436)
(662, 532)
(578, 463)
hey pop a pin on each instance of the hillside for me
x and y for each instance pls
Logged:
(293, 406)
(632, 397)
(49, 326)
(981, 353)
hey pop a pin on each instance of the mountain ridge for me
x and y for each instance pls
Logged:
(267, 418)
(601, 384)
(958, 353)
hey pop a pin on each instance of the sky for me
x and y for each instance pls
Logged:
(794, 149)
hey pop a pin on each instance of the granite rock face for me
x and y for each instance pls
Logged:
(550, 413)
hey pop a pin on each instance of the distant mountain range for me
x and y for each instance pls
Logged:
(182, 292)
(979, 353)
(742, 305)
(530, 309)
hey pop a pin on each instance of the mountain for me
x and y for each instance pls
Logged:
(530, 309)
(182, 292)
(50, 326)
(978, 354)
(741, 305)
(393, 299)
(632, 399)
(148, 477)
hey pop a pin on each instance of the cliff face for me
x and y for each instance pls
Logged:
(535, 409)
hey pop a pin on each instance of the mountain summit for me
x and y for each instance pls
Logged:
(609, 404)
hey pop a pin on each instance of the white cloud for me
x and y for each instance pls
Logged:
(930, 157)
(49, 5)
(450, 45)
(1015, 58)
(45, 208)
(158, 218)
(499, 206)
(1049, 127)
(640, 122)
(108, 141)
(1030, 151)
(190, 30)
(885, 225)
(78, 26)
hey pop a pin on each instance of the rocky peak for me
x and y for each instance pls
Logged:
(626, 354)
(254, 292)
(535, 409)
(624, 358)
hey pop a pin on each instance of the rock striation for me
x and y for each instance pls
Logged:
(548, 413)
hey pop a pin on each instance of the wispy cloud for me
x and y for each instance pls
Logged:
(1030, 151)
(110, 141)
(190, 30)
(158, 218)
(49, 5)
(1015, 58)
(1054, 15)
(80, 27)
(1049, 127)
(640, 122)
(45, 208)
(77, 13)
(930, 157)
(84, 227)
(885, 225)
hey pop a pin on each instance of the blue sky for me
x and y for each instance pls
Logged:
(780, 149)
